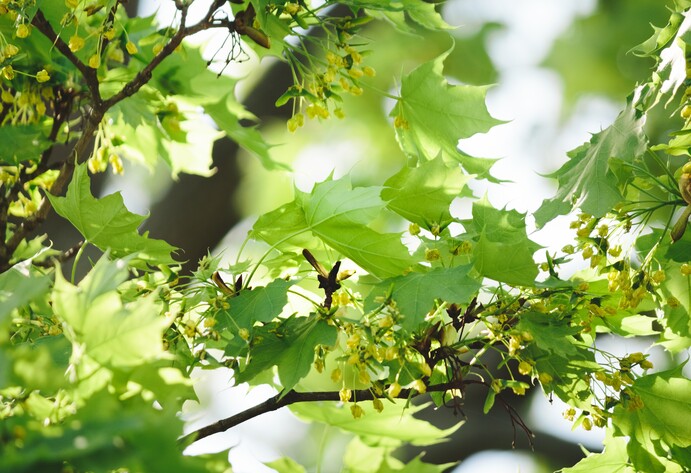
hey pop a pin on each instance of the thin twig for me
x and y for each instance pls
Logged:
(89, 74)
(62, 257)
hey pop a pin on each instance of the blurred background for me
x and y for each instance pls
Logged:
(561, 70)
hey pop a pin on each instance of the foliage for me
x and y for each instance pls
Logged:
(343, 319)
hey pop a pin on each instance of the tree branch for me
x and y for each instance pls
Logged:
(89, 74)
(293, 397)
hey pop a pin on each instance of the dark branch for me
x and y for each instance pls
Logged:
(293, 397)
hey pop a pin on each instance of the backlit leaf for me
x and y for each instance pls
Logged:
(106, 222)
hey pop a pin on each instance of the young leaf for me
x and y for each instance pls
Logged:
(588, 181)
(423, 194)
(289, 345)
(101, 326)
(339, 216)
(613, 459)
(260, 304)
(395, 422)
(433, 115)
(503, 251)
(28, 141)
(658, 408)
(18, 286)
(415, 293)
(106, 223)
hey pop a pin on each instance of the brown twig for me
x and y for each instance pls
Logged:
(61, 258)
(89, 74)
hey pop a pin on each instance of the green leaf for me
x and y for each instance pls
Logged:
(423, 194)
(339, 216)
(106, 223)
(101, 326)
(107, 434)
(503, 251)
(665, 416)
(261, 304)
(435, 115)
(20, 285)
(588, 180)
(550, 332)
(415, 293)
(28, 142)
(395, 423)
(613, 459)
(422, 13)
(289, 345)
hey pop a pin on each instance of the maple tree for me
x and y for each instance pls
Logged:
(341, 314)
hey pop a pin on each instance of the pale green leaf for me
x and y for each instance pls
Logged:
(613, 459)
(423, 194)
(666, 411)
(434, 115)
(20, 285)
(101, 326)
(503, 251)
(395, 423)
(339, 216)
(227, 118)
(588, 180)
(106, 222)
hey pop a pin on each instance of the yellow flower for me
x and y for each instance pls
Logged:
(545, 378)
(42, 76)
(23, 31)
(11, 50)
(72, 4)
(525, 368)
(8, 73)
(394, 389)
(345, 394)
(94, 61)
(419, 386)
(131, 47)
(357, 411)
(377, 404)
(110, 34)
(75, 43)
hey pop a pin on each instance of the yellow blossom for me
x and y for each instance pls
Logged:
(42, 76)
(356, 411)
(394, 389)
(75, 43)
(23, 31)
(131, 47)
(94, 61)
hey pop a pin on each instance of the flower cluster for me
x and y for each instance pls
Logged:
(320, 85)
